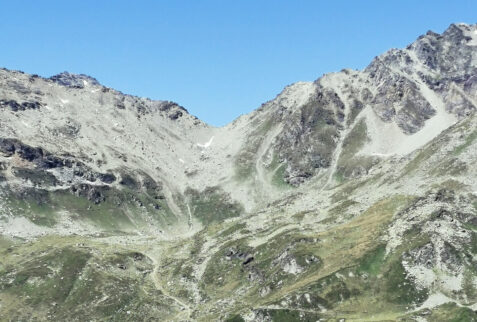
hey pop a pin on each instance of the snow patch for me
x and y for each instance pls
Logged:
(207, 144)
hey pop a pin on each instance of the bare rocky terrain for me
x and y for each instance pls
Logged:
(350, 198)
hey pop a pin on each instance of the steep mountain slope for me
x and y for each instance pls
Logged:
(351, 197)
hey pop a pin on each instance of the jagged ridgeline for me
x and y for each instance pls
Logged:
(353, 197)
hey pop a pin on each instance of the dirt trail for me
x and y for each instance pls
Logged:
(186, 311)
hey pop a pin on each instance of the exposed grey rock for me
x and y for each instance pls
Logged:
(424, 255)
(96, 194)
(15, 106)
(74, 80)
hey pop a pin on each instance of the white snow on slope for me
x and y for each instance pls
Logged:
(207, 144)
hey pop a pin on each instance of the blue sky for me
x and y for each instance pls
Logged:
(218, 59)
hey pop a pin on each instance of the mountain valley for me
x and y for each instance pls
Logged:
(350, 198)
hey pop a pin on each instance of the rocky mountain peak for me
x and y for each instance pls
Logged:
(74, 80)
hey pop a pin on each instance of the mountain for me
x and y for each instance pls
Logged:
(353, 197)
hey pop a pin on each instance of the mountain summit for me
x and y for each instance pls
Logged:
(350, 197)
(74, 80)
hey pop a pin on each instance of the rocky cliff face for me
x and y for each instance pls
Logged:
(353, 196)
(424, 88)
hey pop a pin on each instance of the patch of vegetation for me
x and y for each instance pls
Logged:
(71, 281)
(299, 216)
(349, 164)
(421, 156)
(468, 286)
(401, 290)
(347, 189)
(449, 312)
(342, 207)
(473, 243)
(48, 278)
(450, 185)
(278, 177)
(5, 243)
(354, 270)
(453, 167)
(287, 315)
(278, 169)
(356, 139)
(33, 204)
(36, 177)
(338, 176)
(328, 292)
(356, 108)
(235, 318)
(212, 205)
(232, 229)
(468, 141)
(104, 215)
(373, 261)
(244, 171)
(224, 275)
(118, 210)
(395, 286)
(245, 159)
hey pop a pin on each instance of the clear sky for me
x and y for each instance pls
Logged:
(218, 59)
